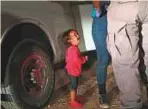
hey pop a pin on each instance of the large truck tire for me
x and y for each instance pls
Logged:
(30, 77)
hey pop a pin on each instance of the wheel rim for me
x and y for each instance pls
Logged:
(34, 77)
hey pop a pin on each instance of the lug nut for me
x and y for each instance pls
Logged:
(31, 73)
(32, 79)
(34, 82)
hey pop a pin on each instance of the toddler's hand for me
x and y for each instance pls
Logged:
(86, 58)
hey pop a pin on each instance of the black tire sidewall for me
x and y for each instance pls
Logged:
(20, 52)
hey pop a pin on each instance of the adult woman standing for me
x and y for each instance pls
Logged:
(99, 34)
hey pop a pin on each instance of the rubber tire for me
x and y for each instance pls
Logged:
(19, 53)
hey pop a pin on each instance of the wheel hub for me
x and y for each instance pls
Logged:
(33, 74)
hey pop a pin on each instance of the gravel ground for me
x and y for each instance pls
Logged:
(89, 92)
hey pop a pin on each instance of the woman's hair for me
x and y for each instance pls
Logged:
(66, 37)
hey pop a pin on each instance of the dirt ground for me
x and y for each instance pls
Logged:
(88, 90)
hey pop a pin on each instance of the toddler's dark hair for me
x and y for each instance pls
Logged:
(65, 37)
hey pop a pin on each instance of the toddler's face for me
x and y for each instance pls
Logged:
(74, 33)
(74, 38)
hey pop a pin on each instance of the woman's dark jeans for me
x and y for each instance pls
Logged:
(99, 33)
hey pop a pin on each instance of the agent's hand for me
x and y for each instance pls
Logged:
(106, 7)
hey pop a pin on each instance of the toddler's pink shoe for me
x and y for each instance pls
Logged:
(75, 105)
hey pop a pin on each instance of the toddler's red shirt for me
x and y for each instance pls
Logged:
(74, 61)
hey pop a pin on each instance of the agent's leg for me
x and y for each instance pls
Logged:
(143, 17)
(123, 46)
(99, 33)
